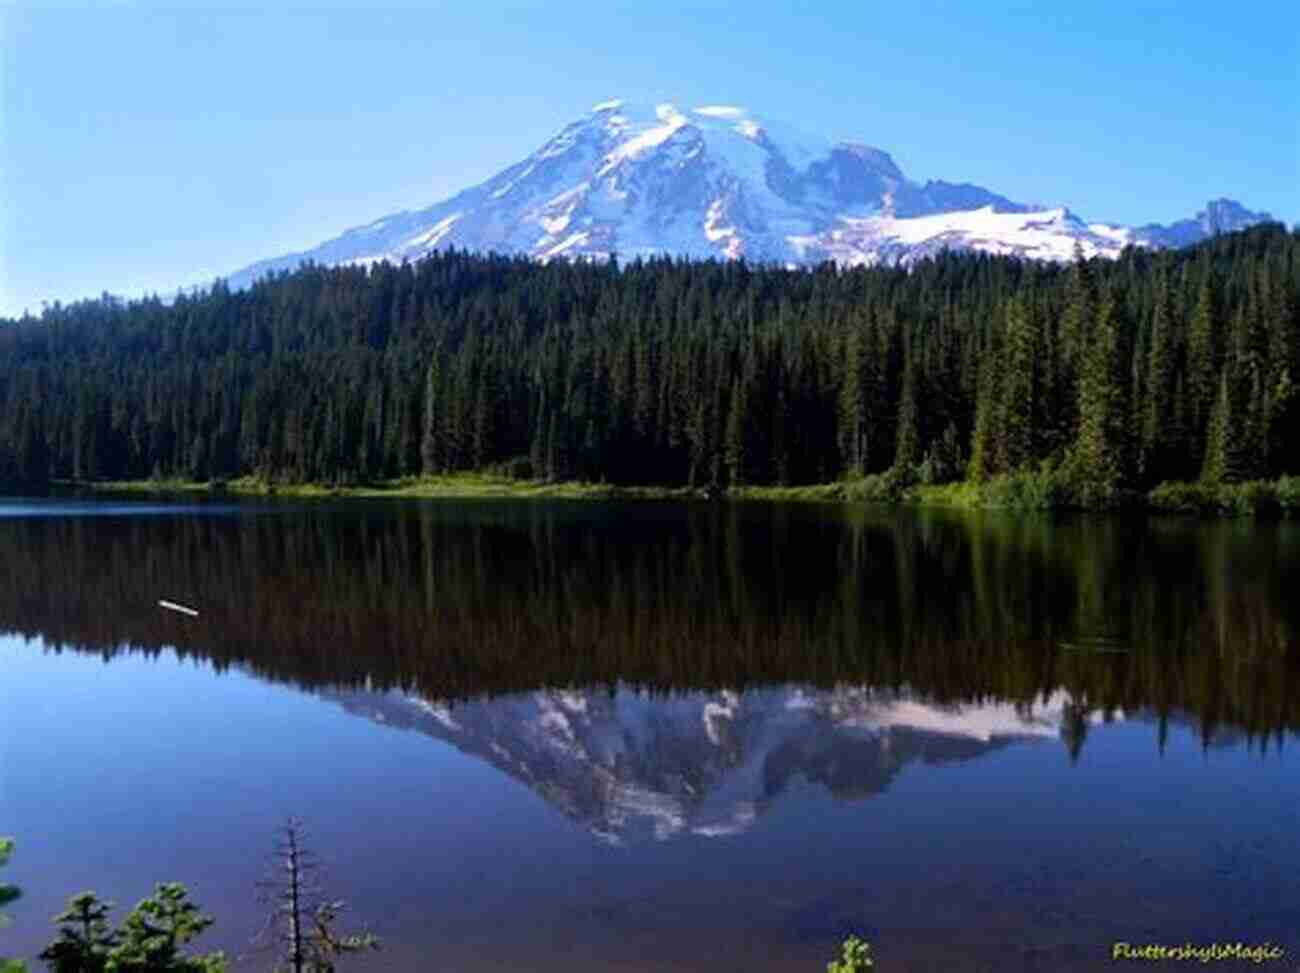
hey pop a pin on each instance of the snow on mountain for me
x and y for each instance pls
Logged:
(719, 181)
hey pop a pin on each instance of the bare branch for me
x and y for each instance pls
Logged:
(300, 922)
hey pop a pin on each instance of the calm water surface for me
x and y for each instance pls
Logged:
(631, 737)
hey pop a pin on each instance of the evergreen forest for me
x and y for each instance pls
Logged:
(1110, 376)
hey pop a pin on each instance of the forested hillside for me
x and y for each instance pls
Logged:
(1119, 374)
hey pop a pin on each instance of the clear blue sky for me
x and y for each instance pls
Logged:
(142, 148)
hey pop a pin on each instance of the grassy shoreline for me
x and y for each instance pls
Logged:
(1019, 492)
(460, 486)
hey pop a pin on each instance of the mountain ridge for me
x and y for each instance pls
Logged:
(718, 181)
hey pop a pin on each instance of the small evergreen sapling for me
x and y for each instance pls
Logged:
(85, 938)
(855, 957)
(8, 893)
(149, 940)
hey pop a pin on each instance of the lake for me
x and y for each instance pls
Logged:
(590, 736)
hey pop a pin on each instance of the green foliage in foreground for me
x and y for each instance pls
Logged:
(149, 940)
(854, 958)
(151, 937)
(7, 894)
(324, 945)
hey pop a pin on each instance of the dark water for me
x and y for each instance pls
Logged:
(634, 737)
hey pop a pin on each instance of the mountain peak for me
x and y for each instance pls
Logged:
(718, 180)
(1221, 215)
(1224, 215)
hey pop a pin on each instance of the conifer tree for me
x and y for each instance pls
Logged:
(907, 452)
(1203, 353)
(1158, 438)
(1020, 407)
(736, 434)
(1075, 331)
(539, 448)
(1283, 434)
(852, 414)
(151, 936)
(85, 938)
(483, 435)
(149, 940)
(984, 438)
(1217, 465)
(1101, 448)
(699, 434)
(780, 434)
(1252, 442)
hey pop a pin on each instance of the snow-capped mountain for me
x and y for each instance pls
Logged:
(632, 766)
(718, 181)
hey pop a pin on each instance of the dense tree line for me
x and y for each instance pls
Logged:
(1177, 618)
(1156, 366)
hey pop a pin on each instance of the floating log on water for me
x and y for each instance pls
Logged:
(1099, 645)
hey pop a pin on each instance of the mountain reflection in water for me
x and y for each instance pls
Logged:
(628, 766)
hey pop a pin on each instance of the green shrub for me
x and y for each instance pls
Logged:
(1187, 498)
(1042, 489)
(888, 487)
(8, 893)
(855, 956)
(1249, 499)
(1256, 498)
(1287, 492)
(149, 939)
(962, 493)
